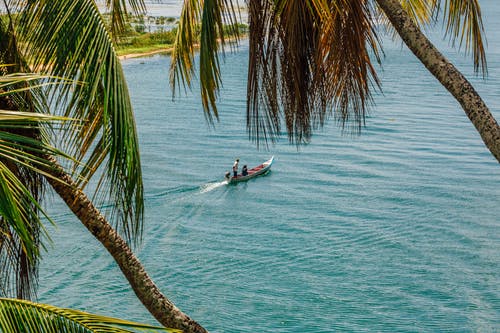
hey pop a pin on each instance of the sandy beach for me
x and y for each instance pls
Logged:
(146, 54)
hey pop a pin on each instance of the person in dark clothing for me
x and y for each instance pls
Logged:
(244, 171)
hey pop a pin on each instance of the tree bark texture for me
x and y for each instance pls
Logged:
(144, 287)
(446, 73)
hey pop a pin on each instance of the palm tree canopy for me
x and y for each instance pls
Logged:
(309, 60)
(68, 39)
(23, 142)
(24, 316)
(83, 80)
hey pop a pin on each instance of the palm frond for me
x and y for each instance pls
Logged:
(263, 81)
(22, 186)
(308, 58)
(16, 83)
(29, 117)
(209, 60)
(118, 12)
(298, 31)
(422, 12)
(20, 227)
(283, 38)
(182, 63)
(464, 23)
(22, 233)
(68, 39)
(346, 73)
(217, 14)
(462, 19)
(25, 151)
(24, 316)
(213, 15)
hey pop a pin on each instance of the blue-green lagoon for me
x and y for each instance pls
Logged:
(396, 230)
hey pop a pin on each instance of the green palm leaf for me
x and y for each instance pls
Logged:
(67, 38)
(462, 20)
(182, 67)
(422, 12)
(22, 232)
(464, 23)
(24, 316)
(211, 16)
(23, 145)
(118, 11)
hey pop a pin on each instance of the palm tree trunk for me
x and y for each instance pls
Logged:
(446, 73)
(144, 287)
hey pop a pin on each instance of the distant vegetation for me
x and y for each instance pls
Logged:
(144, 34)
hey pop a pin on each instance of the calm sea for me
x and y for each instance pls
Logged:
(396, 230)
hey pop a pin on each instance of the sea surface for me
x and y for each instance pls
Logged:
(395, 230)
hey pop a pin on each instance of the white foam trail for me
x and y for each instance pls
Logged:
(212, 186)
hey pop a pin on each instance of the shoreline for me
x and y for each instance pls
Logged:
(169, 50)
(145, 54)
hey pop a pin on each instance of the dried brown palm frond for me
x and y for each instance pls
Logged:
(283, 43)
(346, 74)
(263, 84)
(307, 59)
(311, 59)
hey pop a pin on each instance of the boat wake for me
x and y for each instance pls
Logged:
(212, 186)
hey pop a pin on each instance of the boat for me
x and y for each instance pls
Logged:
(253, 172)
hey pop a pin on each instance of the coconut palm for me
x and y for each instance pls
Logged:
(68, 39)
(21, 228)
(24, 316)
(313, 59)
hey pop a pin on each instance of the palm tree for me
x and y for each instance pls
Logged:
(84, 87)
(24, 316)
(312, 59)
(21, 228)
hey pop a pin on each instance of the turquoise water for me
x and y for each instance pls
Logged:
(393, 231)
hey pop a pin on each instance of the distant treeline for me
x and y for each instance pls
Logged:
(138, 37)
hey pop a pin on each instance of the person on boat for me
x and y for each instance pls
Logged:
(244, 171)
(235, 167)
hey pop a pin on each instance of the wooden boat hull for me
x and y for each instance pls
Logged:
(253, 172)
